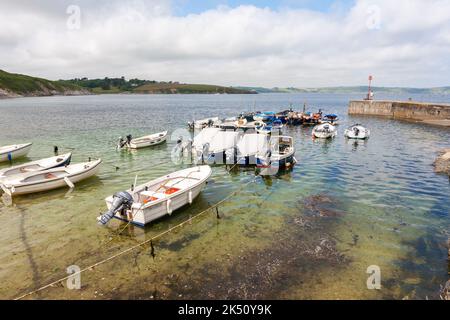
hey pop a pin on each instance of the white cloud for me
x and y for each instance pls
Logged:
(233, 46)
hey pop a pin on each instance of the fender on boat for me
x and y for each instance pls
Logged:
(169, 209)
(190, 196)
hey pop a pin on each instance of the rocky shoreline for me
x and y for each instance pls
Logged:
(7, 94)
(442, 163)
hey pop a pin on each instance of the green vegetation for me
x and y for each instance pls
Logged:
(25, 85)
(189, 88)
(118, 85)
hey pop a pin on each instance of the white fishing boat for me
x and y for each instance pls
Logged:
(9, 153)
(357, 131)
(248, 148)
(324, 131)
(35, 166)
(49, 179)
(281, 154)
(204, 137)
(215, 151)
(158, 197)
(148, 141)
(200, 124)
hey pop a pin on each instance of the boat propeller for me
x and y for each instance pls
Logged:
(121, 201)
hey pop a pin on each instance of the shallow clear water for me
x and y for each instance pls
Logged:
(308, 233)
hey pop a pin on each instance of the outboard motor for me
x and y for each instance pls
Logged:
(121, 201)
(121, 143)
(129, 138)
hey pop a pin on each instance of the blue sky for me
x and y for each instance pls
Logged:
(184, 7)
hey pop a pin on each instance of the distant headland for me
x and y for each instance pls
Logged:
(18, 85)
(14, 85)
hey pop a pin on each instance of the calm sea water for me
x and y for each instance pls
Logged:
(308, 233)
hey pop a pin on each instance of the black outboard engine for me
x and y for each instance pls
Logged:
(121, 201)
(129, 138)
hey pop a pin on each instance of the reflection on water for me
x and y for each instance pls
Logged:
(309, 232)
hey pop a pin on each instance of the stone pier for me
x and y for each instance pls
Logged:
(433, 113)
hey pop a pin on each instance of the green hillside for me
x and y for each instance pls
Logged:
(121, 85)
(22, 85)
(188, 89)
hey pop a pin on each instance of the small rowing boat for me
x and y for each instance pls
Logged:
(143, 142)
(357, 131)
(9, 153)
(324, 131)
(158, 197)
(49, 179)
(34, 166)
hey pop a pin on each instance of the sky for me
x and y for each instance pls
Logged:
(281, 43)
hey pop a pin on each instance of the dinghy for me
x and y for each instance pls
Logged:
(324, 131)
(49, 179)
(357, 131)
(9, 153)
(147, 141)
(281, 153)
(34, 166)
(156, 198)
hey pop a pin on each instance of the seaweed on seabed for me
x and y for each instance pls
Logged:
(320, 205)
(293, 254)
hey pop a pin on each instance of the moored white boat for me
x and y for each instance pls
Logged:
(38, 165)
(9, 153)
(357, 131)
(248, 148)
(49, 179)
(158, 197)
(147, 141)
(324, 131)
(281, 153)
(215, 151)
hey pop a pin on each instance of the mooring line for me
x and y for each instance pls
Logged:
(91, 267)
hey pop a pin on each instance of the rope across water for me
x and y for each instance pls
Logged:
(91, 267)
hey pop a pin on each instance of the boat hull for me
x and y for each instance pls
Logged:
(141, 217)
(141, 214)
(361, 134)
(41, 166)
(140, 145)
(20, 151)
(16, 190)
